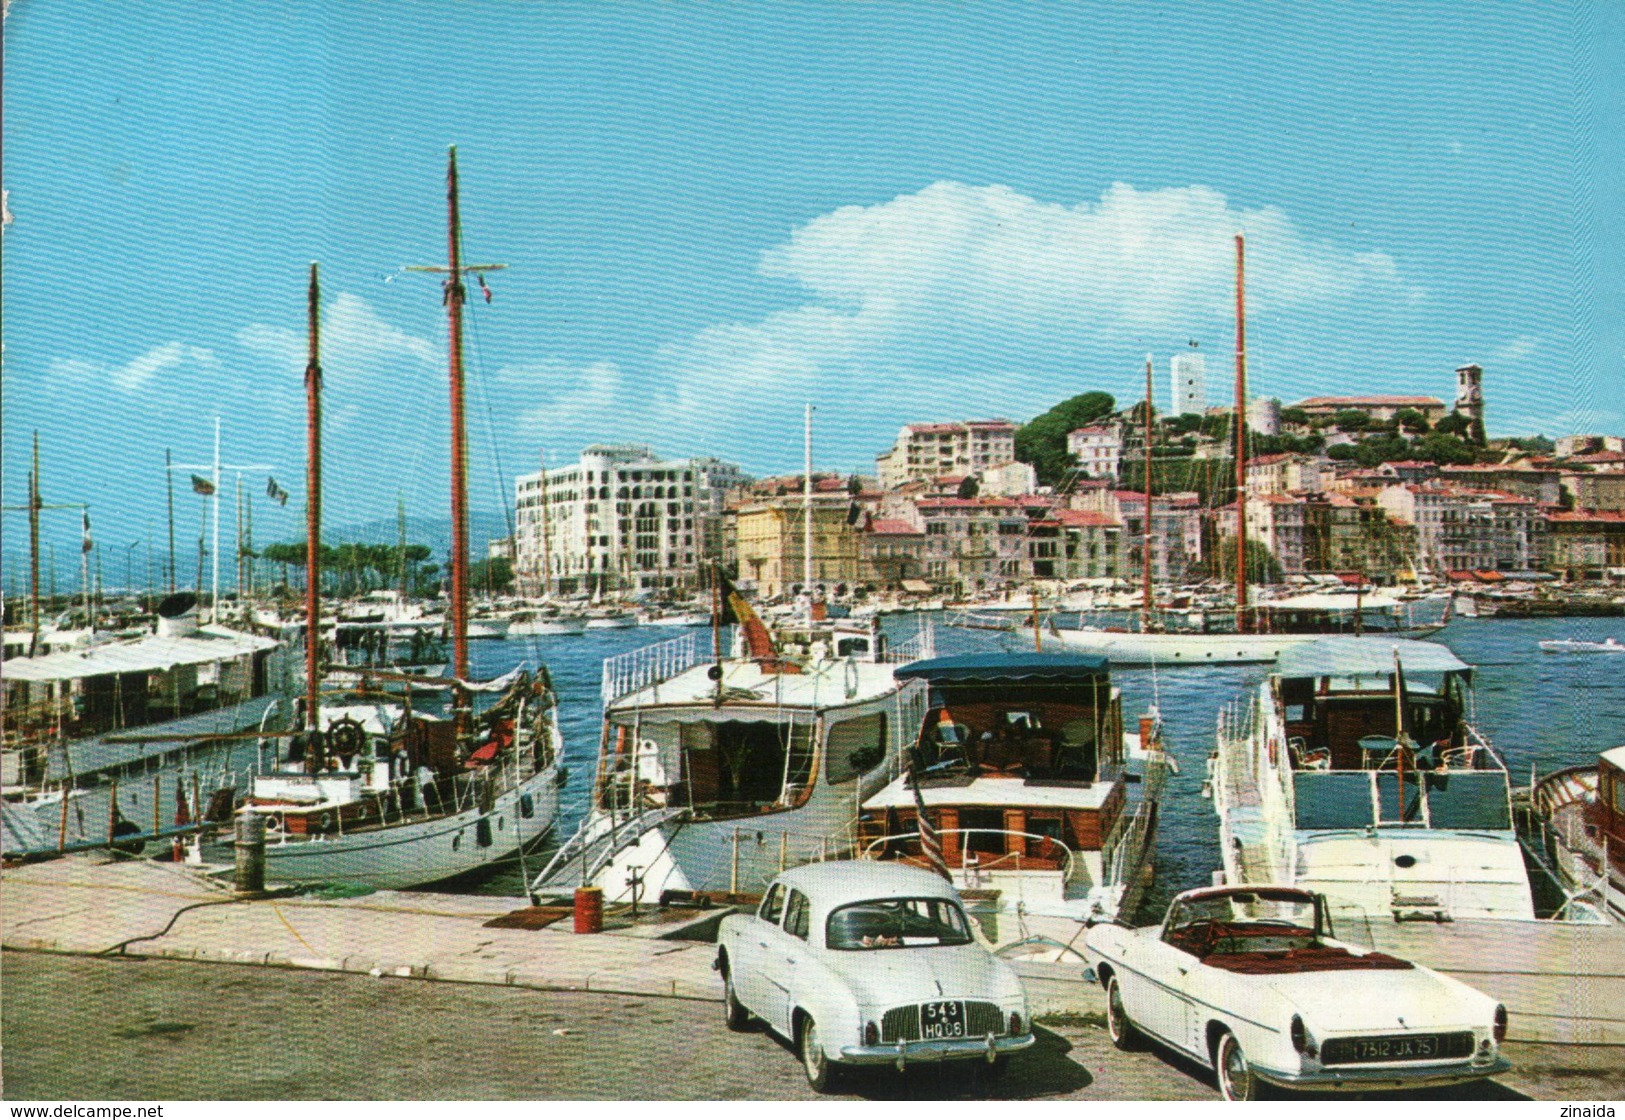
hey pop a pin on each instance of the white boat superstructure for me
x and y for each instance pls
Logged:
(1353, 772)
(121, 737)
(1042, 803)
(715, 776)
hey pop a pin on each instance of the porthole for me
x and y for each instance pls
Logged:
(1406, 861)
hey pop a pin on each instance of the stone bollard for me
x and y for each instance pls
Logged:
(250, 852)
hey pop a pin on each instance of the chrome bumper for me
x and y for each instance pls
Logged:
(1333, 1078)
(936, 1050)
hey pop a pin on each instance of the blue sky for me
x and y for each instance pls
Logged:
(715, 213)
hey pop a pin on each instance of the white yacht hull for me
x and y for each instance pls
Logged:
(547, 627)
(488, 628)
(418, 852)
(1127, 648)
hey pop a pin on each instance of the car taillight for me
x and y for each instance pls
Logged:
(871, 1034)
(1015, 1022)
(1500, 1023)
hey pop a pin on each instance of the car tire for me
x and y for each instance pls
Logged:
(1119, 1027)
(1237, 1081)
(739, 1019)
(822, 1074)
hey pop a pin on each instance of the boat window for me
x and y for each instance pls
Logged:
(795, 916)
(897, 923)
(1469, 800)
(1332, 799)
(737, 768)
(773, 905)
(855, 746)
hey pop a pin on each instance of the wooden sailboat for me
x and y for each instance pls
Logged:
(375, 793)
(1252, 637)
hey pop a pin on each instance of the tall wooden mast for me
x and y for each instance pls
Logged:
(1241, 433)
(1147, 596)
(313, 514)
(459, 452)
(33, 551)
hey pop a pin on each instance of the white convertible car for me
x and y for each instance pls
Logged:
(1249, 981)
(869, 963)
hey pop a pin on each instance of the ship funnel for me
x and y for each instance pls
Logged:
(177, 615)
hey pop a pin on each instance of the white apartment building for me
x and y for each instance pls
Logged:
(619, 520)
(1096, 449)
(928, 451)
(1188, 376)
(1469, 530)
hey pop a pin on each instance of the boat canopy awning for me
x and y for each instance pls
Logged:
(917, 586)
(1354, 657)
(142, 655)
(1331, 601)
(1615, 758)
(1060, 668)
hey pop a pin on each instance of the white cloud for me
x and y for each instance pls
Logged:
(961, 297)
(567, 403)
(138, 371)
(353, 337)
(1516, 349)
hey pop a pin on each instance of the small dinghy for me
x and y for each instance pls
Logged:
(1569, 645)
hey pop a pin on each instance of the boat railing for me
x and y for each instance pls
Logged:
(988, 861)
(628, 672)
(921, 646)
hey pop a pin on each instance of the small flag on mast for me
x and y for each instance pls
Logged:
(480, 276)
(88, 544)
(275, 492)
(202, 485)
(930, 839)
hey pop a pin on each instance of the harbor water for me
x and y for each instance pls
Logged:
(1540, 710)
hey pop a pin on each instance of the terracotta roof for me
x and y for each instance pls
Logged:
(1579, 517)
(1379, 401)
(892, 527)
(965, 503)
(973, 425)
(1086, 517)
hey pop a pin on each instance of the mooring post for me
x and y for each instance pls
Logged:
(250, 853)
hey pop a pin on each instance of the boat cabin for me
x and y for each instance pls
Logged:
(1375, 734)
(1610, 804)
(751, 741)
(1017, 761)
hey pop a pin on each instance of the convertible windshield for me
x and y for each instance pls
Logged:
(897, 923)
(1288, 911)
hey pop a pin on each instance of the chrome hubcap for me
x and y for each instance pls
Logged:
(812, 1053)
(1114, 1010)
(1235, 1072)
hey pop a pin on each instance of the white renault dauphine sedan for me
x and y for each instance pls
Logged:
(862, 962)
(1249, 981)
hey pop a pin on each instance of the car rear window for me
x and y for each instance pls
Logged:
(897, 923)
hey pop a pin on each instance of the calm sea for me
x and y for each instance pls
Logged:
(1540, 709)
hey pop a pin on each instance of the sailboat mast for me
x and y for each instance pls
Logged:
(400, 541)
(806, 510)
(33, 549)
(169, 488)
(214, 535)
(1145, 547)
(1241, 433)
(459, 453)
(547, 535)
(313, 508)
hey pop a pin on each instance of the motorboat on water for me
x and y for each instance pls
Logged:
(539, 624)
(1575, 825)
(118, 739)
(611, 620)
(1353, 771)
(714, 774)
(1572, 645)
(1041, 802)
(399, 657)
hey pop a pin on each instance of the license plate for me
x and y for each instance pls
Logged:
(943, 1019)
(1402, 1048)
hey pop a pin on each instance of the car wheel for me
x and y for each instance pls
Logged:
(1119, 1027)
(738, 1017)
(822, 1074)
(1237, 1081)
